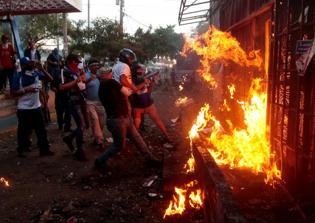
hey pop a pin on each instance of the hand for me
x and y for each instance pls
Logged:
(30, 89)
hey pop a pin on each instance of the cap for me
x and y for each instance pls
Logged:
(25, 60)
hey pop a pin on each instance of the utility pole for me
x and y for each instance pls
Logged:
(89, 19)
(122, 4)
(65, 34)
(57, 20)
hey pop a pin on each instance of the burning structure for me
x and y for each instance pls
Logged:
(260, 67)
(283, 32)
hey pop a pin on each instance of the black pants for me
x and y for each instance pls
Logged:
(4, 74)
(63, 112)
(30, 119)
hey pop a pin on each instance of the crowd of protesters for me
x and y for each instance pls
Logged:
(87, 95)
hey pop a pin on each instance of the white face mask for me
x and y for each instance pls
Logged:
(80, 66)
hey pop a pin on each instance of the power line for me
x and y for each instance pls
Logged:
(136, 20)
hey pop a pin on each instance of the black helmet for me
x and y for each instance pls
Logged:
(127, 56)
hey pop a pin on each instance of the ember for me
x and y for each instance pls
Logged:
(181, 101)
(4, 182)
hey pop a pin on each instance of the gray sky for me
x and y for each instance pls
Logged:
(139, 13)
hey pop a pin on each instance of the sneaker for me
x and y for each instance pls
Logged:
(68, 141)
(46, 153)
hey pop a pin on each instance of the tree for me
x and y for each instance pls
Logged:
(40, 27)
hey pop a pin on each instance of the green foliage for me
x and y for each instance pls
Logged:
(40, 27)
(104, 38)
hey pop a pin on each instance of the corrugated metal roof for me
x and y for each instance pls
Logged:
(25, 7)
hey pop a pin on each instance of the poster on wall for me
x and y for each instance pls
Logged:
(305, 50)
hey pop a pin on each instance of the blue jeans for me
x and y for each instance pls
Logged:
(120, 128)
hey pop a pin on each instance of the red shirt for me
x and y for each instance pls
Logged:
(7, 56)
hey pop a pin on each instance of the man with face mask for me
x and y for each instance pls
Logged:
(72, 81)
(25, 86)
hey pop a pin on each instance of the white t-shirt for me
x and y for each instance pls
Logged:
(119, 69)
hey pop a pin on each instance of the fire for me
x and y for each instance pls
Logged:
(178, 204)
(195, 199)
(180, 87)
(4, 181)
(231, 90)
(215, 45)
(190, 165)
(235, 146)
(247, 147)
(181, 101)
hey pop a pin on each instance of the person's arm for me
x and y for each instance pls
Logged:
(23, 91)
(16, 91)
(124, 81)
(125, 91)
(48, 77)
(69, 85)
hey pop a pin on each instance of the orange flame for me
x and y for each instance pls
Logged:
(231, 90)
(178, 204)
(195, 199)
(247, 147)
(215, 45)
(181, 101)
(4, 181)
(190, 165)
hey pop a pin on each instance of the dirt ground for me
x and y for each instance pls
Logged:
(61, 189)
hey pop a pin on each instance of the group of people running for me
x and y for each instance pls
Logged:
(86, 93)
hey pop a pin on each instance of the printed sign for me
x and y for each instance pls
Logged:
(306, 50)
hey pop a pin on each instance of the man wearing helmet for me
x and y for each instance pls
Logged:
(121, 70)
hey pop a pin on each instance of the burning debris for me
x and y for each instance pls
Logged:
(183, 101)
(188, 196)
(4, 182)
